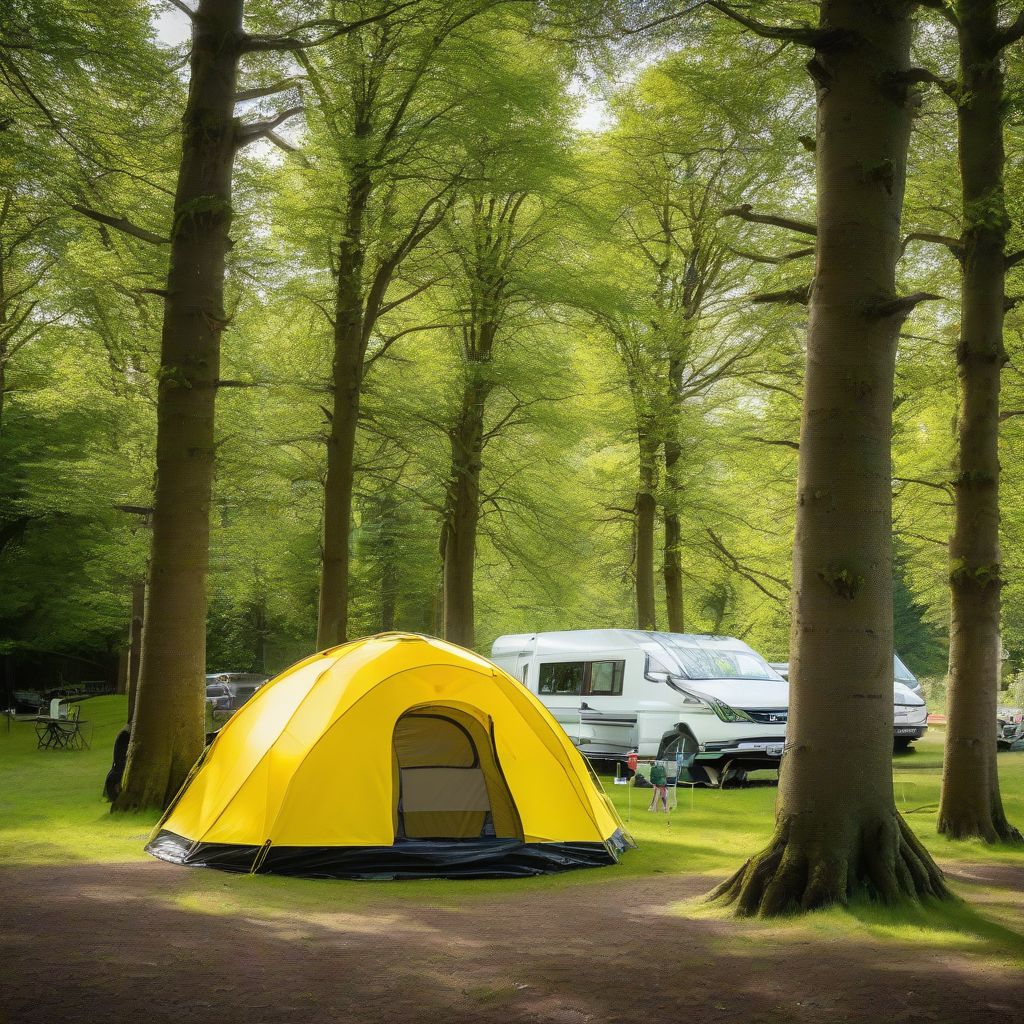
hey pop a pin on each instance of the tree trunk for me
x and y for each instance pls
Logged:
(645, 512)
(838, 834)
(4, 356)
(390, 553)
(673, 565)
(388, 594)
(167, 733)
(970, 804)
(467, 441)
(135, 643)
(349, 351)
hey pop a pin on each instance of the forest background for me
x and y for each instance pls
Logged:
(593, 349)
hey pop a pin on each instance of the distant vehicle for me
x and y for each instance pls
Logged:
(237, 686)
(619, 690)
(910, 712)
(226, 692)
(1009, 727)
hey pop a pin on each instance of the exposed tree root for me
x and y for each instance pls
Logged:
(885, 863)
(969, 823)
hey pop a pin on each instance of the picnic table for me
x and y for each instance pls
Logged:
(56, 733)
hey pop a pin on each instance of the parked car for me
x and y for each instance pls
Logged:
(226, 692)
(620, 690)
(1009, 727)
(910, 712)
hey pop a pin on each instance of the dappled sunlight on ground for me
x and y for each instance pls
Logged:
(147, 940)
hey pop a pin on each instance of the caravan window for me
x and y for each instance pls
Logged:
(570, 678)
(562, 678)
(606, 678)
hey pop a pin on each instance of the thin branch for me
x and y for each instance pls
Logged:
(1014, 258)
(290, 42)
(902, 306)
(121, 223)
(782, 443)
(1012, 32)
(745, 212)
(945, 488)
(268, 90)
(746, 573)
(798, 296)
(187, 11)
(804, 35)
(920, 76)
(954, 245)
(282, 143)
(259, 129)
(757, 257)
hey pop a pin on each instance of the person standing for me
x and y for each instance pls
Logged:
(660, 783)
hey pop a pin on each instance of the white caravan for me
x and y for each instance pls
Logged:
(617, 690)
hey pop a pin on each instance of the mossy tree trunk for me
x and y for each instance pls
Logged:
(970, 804)
(167, 732)
(672, 569)
(352, 325)
(135, 643)
(462, 509)
(838, 834)
(645, 511)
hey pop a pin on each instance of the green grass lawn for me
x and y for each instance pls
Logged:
(52, 812)
(52, 809)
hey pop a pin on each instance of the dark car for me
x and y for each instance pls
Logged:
(226, 692)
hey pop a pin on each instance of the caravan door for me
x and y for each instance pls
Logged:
(586, 699)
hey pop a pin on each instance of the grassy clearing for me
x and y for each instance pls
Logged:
(51, 802)
(52, 812)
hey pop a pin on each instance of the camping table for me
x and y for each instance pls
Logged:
(60, 733)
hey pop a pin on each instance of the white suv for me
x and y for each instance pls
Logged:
(619, 690)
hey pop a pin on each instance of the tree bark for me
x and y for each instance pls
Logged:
(970, 804)
(4, 354)
(838, 834)
(645, 513)
(350, 334)
(135, 643)
(463, 511)
(388, 591)
(167, 733)
(673, 564)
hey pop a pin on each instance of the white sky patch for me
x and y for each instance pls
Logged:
(172, 26)
(593, 115)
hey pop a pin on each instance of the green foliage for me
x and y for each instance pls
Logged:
(619, 272)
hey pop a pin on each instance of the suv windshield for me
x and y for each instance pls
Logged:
(903, 674)
(718, 663)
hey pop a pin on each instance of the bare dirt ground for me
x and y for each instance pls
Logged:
(124, 943)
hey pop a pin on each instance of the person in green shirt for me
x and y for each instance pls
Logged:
(659, 781)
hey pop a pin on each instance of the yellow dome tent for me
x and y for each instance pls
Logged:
(395, 756)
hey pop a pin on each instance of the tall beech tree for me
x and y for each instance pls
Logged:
(669, 169)
(493, 244)
(674, 169)
(387, 103)
(971, 805)
(167, 732)
(838, 834)
(167, 729)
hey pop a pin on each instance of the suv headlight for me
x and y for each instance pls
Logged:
(724, 711)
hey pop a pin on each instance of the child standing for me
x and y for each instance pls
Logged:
(660, 783)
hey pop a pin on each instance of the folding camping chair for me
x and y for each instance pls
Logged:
(684, 777)
(69, 732)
